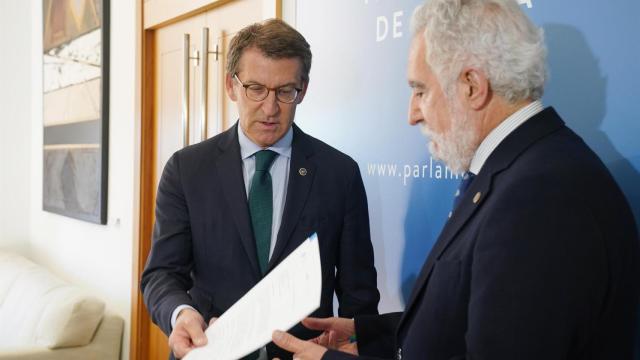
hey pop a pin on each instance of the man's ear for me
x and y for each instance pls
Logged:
(303, 92)
(228, 82)
(475, 88)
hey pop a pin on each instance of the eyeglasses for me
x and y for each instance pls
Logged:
(258, 92)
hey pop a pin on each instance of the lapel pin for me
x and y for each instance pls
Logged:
(450, 214)
(302, 171)
(476, 198)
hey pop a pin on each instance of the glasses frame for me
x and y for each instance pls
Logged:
(275, 90)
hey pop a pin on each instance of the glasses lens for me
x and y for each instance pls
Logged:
(257, 92)
(287, 94)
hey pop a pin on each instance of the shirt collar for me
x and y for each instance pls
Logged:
(495, 137)
(248, 147)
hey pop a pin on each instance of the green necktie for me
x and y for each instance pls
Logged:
(261, 205)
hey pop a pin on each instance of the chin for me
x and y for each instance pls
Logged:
(266, 141)
(457, 159)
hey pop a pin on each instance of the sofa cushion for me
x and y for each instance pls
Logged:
(11, 266)
(23, 306)
(70, 318)
(40, 309)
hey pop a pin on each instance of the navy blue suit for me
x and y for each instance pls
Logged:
(204, 252)
(539, 261)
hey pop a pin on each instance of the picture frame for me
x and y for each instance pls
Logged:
(76, 108)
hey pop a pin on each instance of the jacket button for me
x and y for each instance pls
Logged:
(399, 356)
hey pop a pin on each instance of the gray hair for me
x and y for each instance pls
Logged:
(492, 35)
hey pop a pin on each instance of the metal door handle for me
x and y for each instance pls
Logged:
(185, 90)
(204, 82)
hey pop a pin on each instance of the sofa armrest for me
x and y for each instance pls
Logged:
(105, 345)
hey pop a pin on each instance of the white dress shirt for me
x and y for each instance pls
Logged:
(497, 135)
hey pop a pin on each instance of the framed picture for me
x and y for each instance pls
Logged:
(76, 108)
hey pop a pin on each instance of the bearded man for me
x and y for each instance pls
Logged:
(539, 258)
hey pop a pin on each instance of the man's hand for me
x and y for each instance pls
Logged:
(302, 350)
(337, 333)
(188, 333)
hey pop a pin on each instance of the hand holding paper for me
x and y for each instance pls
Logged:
(188, 333)
(288, 294)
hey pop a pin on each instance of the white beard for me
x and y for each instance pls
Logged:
(457, 146)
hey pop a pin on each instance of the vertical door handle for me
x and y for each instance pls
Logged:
(220, 52)
(205, 82)
(185, 90)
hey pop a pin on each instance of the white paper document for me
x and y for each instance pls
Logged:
(288, 294)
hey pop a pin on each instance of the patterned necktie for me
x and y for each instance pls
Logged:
(261, 205)
(464, 185)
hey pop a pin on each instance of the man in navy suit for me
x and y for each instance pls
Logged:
(539, 258)
(229, 209)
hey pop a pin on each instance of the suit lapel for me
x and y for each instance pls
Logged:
(507, 151)
(480, 185)
(229, 168)
(301, 174)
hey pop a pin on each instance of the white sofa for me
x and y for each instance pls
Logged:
(43, 317)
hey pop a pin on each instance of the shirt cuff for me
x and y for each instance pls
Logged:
(174, 315)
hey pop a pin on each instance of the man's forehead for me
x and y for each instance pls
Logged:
(417, 71)
(418, 42)
(257, 66)
(275, 79)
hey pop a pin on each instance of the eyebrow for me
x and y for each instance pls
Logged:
(293, 84)
(252, 82)
(416, 84)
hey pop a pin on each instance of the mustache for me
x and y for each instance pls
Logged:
(424, 129)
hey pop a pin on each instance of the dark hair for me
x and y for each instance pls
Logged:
(275, 39)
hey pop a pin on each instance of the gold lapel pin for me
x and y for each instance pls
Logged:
(476, 198)
(302, 171)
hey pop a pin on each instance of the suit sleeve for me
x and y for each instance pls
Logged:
(166, 277)
(376, 338)
(356, 286)
(539, 274)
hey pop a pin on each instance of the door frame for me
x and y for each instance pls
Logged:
(154, 15)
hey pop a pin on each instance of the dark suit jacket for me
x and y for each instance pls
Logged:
(204, 253)
(543, 266)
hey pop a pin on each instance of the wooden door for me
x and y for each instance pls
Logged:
(170, 90)
(223, 24)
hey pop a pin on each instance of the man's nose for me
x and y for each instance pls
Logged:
(414, 120)
(415, 115)
(270, 104)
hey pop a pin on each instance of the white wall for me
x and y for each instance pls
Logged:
(15, 123)
(98, 257)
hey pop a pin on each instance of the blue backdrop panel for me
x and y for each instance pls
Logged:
(358, 98)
